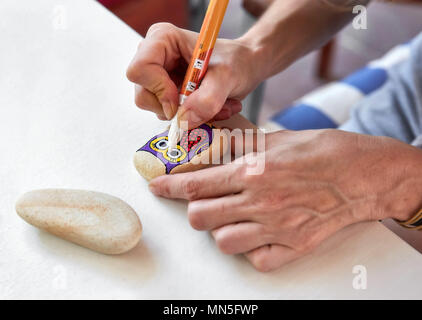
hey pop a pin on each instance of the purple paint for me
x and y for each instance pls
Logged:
(199, 145)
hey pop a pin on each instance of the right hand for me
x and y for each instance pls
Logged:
(159, 66)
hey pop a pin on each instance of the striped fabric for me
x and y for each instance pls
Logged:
(330, 105)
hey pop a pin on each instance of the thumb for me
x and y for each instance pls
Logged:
(204, 103)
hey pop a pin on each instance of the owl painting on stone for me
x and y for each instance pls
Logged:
(155, 158)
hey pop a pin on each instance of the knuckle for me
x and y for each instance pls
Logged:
(272, 199)
(136, 70)
(223, 208)
(281, 133)
(306, 244)
(244, 176)
(159, 87)
(132, 73)
(190, 189)
(322, 135)
(160, 26)
(250, 179)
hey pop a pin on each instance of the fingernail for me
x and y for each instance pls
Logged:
(167, 110)
(174, 108)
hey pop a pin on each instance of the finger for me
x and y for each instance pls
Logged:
(156, 54)
(209, 214)
(230, 108)
(240, 237)
(156, 80)
(271, 257)
(148, 101)
(206, 183)
(204, 103)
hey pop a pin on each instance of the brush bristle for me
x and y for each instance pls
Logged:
(174, 134)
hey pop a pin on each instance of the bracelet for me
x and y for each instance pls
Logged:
(414, 223)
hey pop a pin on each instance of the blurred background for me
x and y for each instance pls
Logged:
(388, 24)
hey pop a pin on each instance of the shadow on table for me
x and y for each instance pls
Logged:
(332, 261)
(134, 267)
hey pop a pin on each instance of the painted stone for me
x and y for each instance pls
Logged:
(155, 159)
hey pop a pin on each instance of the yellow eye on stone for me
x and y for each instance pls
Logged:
(175, 155)
(159, 144)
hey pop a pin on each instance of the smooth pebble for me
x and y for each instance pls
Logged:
(94, 220)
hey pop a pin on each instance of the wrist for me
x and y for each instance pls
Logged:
(250, 66)
(405, 199)
(259, 59)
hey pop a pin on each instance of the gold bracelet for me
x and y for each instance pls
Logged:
(414, 223)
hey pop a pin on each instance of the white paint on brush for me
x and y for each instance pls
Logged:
(174, 133)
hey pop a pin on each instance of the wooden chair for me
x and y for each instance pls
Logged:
(141, 14)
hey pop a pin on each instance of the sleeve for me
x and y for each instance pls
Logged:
(395, 110)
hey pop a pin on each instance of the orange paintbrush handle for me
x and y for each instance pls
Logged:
(203, 48)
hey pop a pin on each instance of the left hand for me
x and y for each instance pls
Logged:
(315, 183)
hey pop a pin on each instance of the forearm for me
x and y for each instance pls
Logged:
(290, 29)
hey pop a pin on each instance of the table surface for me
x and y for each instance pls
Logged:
(68, 120)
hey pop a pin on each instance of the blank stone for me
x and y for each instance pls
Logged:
(94, 220)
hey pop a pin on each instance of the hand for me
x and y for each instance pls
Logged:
(315, 183)
(256, 7)
(159, 66)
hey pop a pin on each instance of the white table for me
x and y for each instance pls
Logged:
(67, 119)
